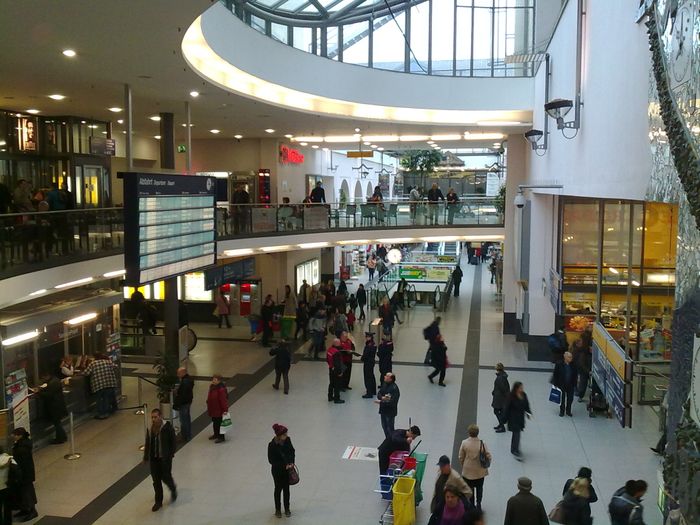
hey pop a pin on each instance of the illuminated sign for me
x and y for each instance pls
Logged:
(26, 136)
(290, 155)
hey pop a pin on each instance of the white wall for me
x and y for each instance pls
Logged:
(610, 157)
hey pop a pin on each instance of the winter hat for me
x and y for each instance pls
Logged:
(279, 429)
(525, 484)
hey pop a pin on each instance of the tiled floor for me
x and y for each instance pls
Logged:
(231, 483)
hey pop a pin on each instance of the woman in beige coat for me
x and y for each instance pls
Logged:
(472, 471)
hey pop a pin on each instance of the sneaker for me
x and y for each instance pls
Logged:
(348, 388)
(431, 379)
(368, 396)
(500, 430)
(220, 440)
(276, 387)
(286, 393)
(278, 514)
(287, 513)
(569, 414)
(214, 436)
(339, 401)
(29, 517)
(442, 384)
(156, 507)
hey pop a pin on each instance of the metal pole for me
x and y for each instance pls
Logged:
(145, 423)
(129, 127)
(73, 454)
(139, 389)
(188, 134)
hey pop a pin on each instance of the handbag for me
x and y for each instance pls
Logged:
(556, 515)
(225, 423)
(555, 395)
(428, 357)
(484, 459)
(293, 475)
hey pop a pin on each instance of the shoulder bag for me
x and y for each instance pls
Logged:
(293, 475)
(556, 515)
(484, 460)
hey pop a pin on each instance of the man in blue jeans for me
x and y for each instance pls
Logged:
(103, 383)
(388, 401)
(182, 401)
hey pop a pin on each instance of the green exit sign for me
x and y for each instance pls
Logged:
(181, 148)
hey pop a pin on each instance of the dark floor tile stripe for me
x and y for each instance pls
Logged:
(468, 394)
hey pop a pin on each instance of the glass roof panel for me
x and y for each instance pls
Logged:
(310, 7)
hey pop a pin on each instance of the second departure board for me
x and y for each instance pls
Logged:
(170, 225)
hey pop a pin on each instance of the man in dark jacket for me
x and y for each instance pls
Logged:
(368, 358)
(283, 362)
(525, 508)
(431, 331)
(388, 401)
(51, 395)
(318, 194)
(399, 439)
(159, 451)
(565, 377)
(434, 194)
(626, 504)
(182, 401)
(501, 390)
(457, 275)
(22, 454)
(583, 359)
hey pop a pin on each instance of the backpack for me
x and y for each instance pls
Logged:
(14, 475)
(554, 342)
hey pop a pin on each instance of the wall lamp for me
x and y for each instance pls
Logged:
(558, 109)
(520, 200)
(533, 137)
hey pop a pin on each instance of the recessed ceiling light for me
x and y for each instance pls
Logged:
(120, 121)
(185, 125)
(326, 149)
(357, 130)
(103, 132)
(57, 97)
(380, 149)
(315, 146)
(194, 94)
(269, 130)
(92, 126)
(157, 137)
(366, 143)
(214, 131)
(288, 136)
(155, 118)
(69, 53)
(373, 146)
(431, 142)
(303, 143)
(115, 109)
(239, 137)
(33, 111)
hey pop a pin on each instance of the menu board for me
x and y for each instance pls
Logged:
(170, 225)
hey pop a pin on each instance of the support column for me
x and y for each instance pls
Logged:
(128, 117)
(171, 318)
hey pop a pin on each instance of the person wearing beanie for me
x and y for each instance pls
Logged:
(525, 508)
(280, 454)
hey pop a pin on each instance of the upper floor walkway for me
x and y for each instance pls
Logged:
(31, 242)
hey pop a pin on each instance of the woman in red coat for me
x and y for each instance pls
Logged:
(217, 406)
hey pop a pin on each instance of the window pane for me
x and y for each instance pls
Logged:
(579, 249)
(419, 37)
(443, 36)
(482, 42)
(660, 230)
(356, 43)
(389, 44)
(279, 32)
(257, 23)
(302, 38)
(464, 40)
(332, 43)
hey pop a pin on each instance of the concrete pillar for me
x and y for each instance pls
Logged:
(167, 141)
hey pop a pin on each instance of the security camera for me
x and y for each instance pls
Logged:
(519, 200)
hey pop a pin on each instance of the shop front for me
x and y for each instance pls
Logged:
(617, 266)
(40, 338)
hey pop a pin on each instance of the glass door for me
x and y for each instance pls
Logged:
(93, 185)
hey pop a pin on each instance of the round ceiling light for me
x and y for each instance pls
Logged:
(394, 256)
(70, 53)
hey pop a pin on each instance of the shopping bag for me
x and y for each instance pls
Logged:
(556, 515)
(293, 475)
(555, 395)
(484, 459)
(225, 422)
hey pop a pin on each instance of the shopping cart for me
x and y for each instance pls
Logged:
(401, 484)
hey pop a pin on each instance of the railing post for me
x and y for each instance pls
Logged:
(139, 389)
(73, 454)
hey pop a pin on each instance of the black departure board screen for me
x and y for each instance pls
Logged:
(170, 225)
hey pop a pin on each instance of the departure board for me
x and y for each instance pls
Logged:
(170, 225)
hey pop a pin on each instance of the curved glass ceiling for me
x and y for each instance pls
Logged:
(320, 11)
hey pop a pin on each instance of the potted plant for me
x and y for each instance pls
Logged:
(166, 379)
(343, 199)
(500, 201)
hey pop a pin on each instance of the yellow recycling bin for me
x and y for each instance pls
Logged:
(404, 501)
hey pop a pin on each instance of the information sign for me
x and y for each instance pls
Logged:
(17, 398)
(170, 225)
(616, 388)
(228, 273)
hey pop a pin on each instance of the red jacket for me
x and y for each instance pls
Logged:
(217, 400)
(330, 353)
(348, 348)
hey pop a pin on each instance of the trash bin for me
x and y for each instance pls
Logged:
(420, 470)
(403, 502)
(287, 326)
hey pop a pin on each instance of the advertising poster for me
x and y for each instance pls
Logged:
(114, 352)
(17, 397)
(438, 273)
(26, 136)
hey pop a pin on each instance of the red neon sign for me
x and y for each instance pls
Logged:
(290, 156)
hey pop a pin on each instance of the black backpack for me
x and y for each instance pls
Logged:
(14, 475)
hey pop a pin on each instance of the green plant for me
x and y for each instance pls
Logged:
(500, 200)
(166, 370)
(421, 162)
(343, 197)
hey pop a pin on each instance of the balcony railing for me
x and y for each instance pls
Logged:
(37, 240)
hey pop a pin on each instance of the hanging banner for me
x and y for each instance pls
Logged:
(17, 397)
(493, 184)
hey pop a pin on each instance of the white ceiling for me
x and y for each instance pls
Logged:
(138, 42)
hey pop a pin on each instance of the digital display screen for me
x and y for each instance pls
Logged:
(170, 223)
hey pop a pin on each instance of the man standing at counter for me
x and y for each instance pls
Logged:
(51, 395)
(103, 383)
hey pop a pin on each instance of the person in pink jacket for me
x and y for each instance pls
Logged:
(223, 308)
